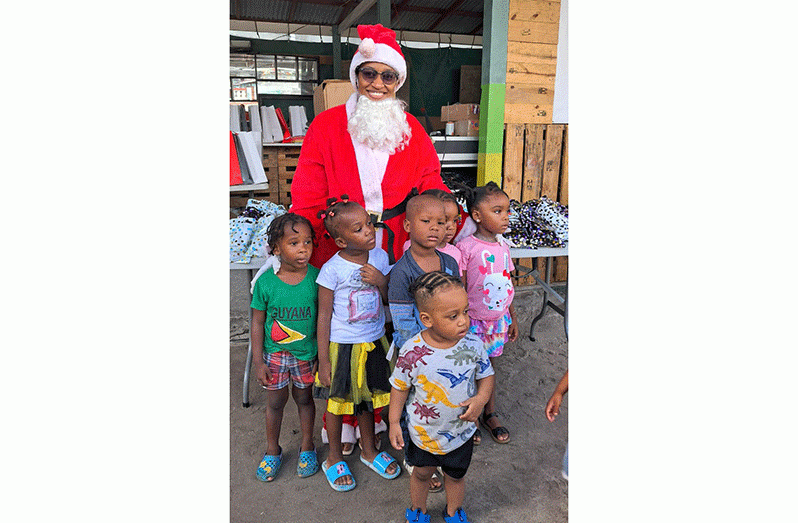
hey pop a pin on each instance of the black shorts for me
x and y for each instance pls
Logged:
(454, 464)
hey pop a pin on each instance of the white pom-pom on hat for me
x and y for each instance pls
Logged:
(367, 48)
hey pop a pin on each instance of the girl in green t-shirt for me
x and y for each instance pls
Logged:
(283, 337)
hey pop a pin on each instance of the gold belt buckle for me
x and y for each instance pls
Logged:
(376, 217)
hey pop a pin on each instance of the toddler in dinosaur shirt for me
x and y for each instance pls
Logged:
(442, 379)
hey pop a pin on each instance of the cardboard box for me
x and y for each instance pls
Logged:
(453, 113)
(466, 128)
(331, 93)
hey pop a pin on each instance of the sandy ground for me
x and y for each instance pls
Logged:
(516, 482)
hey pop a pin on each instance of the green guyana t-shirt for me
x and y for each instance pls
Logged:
(290, 313)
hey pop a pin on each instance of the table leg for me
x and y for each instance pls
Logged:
(249, 353)
(539, 316)
(549, 294)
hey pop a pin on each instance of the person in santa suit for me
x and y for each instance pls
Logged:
(371, 150)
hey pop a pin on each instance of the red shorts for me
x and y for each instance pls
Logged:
(283, 363)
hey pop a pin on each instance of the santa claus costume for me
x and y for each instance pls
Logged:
(332, 163)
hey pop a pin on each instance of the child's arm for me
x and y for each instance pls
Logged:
(398, 399)
(553, 406)
(400, 303)
(477, 403)
(512, 335)
(372, 275)
(256, 334)
(323, 334)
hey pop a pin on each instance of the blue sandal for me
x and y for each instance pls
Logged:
(308, 464)
(381, 463)
(459, 516)
(269, 466)
(417, 516)
(338, 470)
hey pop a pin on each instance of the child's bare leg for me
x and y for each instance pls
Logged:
(490, 407)
(307, 414)
(365, 421)
(455, 493)
(334, 422)
(275, 403)
(419, 485)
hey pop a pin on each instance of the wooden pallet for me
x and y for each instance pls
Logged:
(239, 200)
(535, 165)
(280, 164)
(286, 166)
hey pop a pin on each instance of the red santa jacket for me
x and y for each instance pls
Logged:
(327, 168)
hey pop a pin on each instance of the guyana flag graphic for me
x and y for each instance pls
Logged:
(284, 335)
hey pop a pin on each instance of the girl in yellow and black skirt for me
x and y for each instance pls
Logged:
(353, 371)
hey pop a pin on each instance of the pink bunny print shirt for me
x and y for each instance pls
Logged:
(487, 266)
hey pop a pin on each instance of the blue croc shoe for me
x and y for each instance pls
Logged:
(416, 516)
(269, 466)
(308, 464)
(459, 516)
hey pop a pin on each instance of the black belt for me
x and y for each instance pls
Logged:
(378, 220)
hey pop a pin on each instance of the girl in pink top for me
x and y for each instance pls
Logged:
(486, 266)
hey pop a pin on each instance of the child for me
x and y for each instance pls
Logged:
(284, 307)
(425, 222)
(442, 380)
(353, 371)
(487, 280)
(452, 211)
(553, 408)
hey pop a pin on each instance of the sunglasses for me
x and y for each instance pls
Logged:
(369, 75)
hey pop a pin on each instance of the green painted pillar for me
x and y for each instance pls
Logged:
(491, 102)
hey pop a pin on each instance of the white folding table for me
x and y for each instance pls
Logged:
(551, 298)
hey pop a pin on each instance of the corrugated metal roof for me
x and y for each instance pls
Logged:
(441, 16)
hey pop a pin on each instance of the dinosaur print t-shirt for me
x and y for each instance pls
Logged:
(487, 266)
(438, 380)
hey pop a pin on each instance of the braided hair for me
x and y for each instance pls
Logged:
(427, 285)
(335, 209)
(442, 195)
(476, 195)
(276, 229)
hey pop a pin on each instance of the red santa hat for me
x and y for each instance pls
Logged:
(378, 44)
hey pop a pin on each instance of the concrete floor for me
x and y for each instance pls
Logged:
(519, 481)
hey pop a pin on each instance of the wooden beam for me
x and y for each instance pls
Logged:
(355, 15)
(347, 8)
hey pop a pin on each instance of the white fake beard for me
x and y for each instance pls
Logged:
(380, 124)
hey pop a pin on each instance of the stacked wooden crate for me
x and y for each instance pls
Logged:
(287, 159)
(532, 33)
(535, 165)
